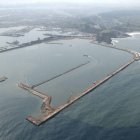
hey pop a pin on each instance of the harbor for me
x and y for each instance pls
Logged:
(49, 111)
(54, 102)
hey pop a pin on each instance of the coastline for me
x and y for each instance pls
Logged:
(114, 41)
(132, 34)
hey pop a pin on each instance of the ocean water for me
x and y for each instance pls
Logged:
(129, 42)
(110, 112)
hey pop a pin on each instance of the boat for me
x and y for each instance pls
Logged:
(2, 79)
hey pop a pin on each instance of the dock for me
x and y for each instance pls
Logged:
(49, 112)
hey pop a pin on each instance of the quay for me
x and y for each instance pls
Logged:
(48, 112)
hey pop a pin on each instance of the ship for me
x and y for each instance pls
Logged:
(2, 79)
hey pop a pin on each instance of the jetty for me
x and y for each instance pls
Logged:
(49, 112)
(61, 74)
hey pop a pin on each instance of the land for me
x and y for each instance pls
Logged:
(103, 26)
(60, 24)
(16, 45)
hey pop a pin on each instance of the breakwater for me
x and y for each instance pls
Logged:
(136, 55)
(59, 75)
(49, 112)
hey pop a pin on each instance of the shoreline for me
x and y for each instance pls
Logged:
(132, 34)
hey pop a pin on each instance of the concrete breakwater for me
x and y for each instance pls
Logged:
(49, 112)
(59, 75)
(136, 55)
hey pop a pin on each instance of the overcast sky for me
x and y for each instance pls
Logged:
(127, 2)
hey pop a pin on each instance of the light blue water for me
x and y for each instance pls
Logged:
(111, 112)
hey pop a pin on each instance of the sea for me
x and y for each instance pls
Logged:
(110, 112)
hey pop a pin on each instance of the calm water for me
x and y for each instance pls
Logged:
(132, 42)
(111, 112)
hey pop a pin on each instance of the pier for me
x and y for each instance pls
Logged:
(49, 112)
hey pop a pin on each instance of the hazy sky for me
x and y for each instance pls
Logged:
(133, 2)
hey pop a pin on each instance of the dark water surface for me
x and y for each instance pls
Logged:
(111, 112)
